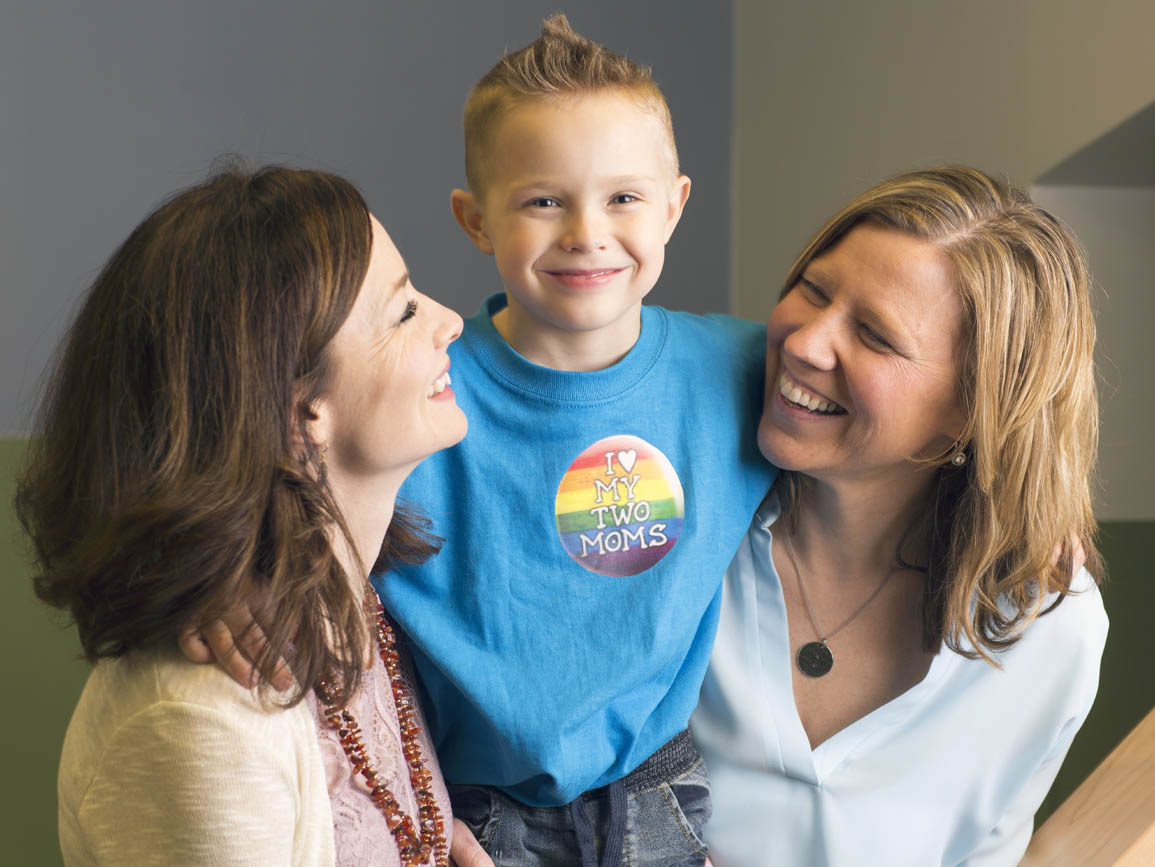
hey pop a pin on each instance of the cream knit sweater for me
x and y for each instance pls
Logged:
(167, 762)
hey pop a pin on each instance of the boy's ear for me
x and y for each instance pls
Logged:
(470, 218)
(678, 195)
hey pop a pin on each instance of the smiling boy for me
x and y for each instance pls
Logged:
(576, 198)
(610, 471)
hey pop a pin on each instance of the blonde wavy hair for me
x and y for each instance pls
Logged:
(1027, 385)
(559, 64)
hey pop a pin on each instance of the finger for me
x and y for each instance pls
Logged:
(220, 639)
(282, 678)
(1078, 555)
(465, 851)
(244, 632)
(253, 642)
(193, 645)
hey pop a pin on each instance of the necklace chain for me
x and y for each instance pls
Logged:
(806, 598)
(414, 847)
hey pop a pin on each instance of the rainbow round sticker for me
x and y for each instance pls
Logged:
(619, 507)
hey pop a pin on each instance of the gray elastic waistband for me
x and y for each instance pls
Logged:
(673, 759)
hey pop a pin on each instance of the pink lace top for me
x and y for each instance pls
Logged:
(359, 829)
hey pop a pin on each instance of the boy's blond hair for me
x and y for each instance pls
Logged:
(559, 64)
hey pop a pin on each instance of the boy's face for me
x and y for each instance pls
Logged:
(579, 202)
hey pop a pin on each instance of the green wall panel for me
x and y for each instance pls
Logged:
(44, 675)
(1127, 679)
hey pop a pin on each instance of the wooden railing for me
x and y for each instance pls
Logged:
(1110, 818)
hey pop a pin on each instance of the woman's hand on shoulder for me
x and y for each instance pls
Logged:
(1078, 554)
(233, 642)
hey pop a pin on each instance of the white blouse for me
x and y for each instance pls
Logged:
(950, 772)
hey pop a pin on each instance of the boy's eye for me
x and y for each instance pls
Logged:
(543, 202)
(623, 199)
(410, 312)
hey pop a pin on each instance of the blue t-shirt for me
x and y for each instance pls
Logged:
(562, 634)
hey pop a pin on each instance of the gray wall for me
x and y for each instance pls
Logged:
(108, 107)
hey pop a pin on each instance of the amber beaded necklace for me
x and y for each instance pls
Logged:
(414, 848)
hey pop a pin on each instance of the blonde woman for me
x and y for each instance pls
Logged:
(902, 662)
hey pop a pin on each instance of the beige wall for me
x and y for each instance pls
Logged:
(1117, 225)
(833, 95)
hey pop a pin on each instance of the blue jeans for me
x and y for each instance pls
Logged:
(663, 822)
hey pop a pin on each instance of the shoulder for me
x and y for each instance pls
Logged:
(714, 326)
(715, 339)
(1056, 659)
(152, 713)
(157, 695)
(166, 755)
(163, 676)
(1074, 625)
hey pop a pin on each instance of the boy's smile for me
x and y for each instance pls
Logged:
(579, 199)
(589, 278)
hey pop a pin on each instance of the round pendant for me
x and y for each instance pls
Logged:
(815, 659)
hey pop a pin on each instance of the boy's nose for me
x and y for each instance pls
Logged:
(584, 233)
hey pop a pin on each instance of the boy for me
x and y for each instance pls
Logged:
(609, 474)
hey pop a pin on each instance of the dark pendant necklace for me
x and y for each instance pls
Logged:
(814, 658)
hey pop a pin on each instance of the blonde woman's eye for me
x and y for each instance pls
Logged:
(812, 291)
(874, 337)
(410, 311)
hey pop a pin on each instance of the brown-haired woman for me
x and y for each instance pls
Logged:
(248, 382)
(902, 659)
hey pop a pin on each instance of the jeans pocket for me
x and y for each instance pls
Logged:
(479, 809)
(689, 799)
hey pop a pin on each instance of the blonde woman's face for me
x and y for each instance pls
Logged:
(862, 360)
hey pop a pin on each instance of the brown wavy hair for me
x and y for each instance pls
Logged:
(172, 476)
(1027, 384)
(559, 64)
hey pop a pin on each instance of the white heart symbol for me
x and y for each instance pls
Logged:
(627, 459)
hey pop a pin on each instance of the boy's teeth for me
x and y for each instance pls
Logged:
(439, 384)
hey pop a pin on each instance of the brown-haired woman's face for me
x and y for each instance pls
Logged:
(861, 363)
(389, 404)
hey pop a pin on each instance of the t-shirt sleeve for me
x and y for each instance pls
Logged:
(187, 784)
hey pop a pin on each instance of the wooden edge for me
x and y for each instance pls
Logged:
(1110, 818)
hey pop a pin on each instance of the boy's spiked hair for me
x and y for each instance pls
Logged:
(559, 64)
